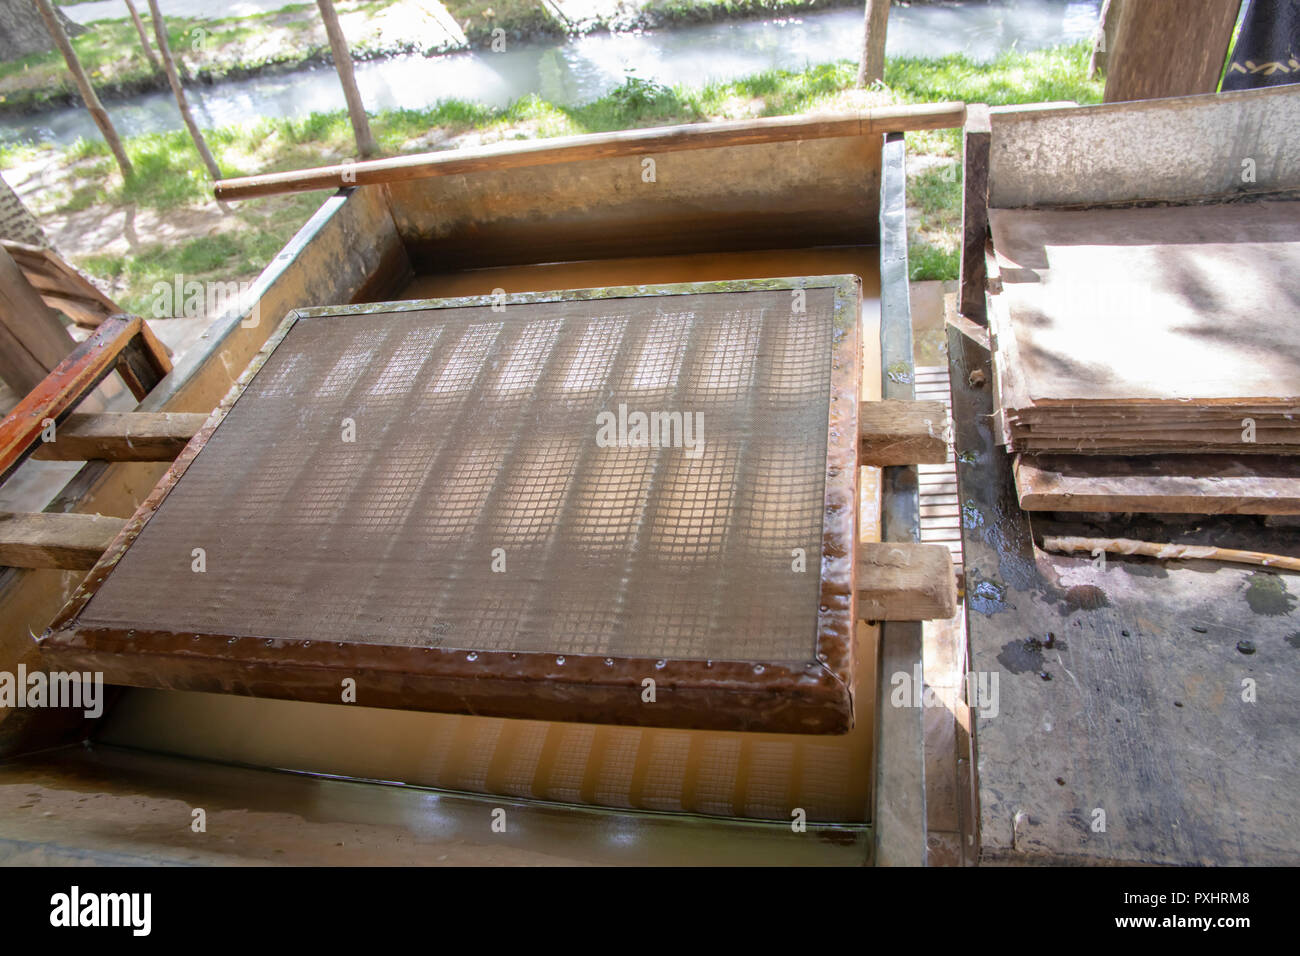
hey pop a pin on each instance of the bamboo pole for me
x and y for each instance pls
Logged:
(567, 149)
(169, 66)
(88, 94)
(1175, 552)
(343, 64)
(144, 37)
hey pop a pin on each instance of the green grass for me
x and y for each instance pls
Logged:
(114, 43)
(695, 11)
(111, 54)
(258, 234)
(169, 174)
(934, 246)
(478, 18)
(926, 262)
(936, 190)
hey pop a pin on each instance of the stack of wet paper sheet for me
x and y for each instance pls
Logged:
(1148, 330)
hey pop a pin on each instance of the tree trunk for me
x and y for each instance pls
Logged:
(1139, 63)
(16, 221)
(21, 34)
(96, 108)
(169, 67)
(343, 63)
(144, 37)
(875, 26)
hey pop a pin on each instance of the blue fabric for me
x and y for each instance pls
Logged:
(1268, 48)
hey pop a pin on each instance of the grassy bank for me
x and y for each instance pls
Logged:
(206, 51)
(169, 181)
(221, 48)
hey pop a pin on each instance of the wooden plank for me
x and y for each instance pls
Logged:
(567, 149)
(68, 541)
(62, 286)
(19, 369)
(793, 194)
(905, 581)
(900, 432)
(1160, 484)
(1168, 48)
(121, 436)
(34, 341)
(974, 212)
(969, 327)
(1195, 285)
(143, 361)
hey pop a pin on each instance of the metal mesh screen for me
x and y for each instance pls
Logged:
(477, 479)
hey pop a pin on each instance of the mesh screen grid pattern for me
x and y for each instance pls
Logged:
(434, 478)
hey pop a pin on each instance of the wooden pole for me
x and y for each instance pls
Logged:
(88, 95)
(343, 64)
(169, 66)
(144, 37)
(1171, 552)
(568, 149)
(875, 25)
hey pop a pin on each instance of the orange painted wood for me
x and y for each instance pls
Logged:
(121, 339)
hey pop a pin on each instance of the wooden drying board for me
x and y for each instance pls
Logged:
(754, 651)
(1143, 715)
(1179, 310)
(1167, 484)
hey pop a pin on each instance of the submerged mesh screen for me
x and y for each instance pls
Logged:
(625, 477)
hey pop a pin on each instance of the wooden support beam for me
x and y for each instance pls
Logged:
(121, 436)
(123, 342)
(977, 139)
(899, 432)
(1164, 48)
(964, 324)
(570, 149)
(143, 361)
(71, 542)
(900, 581)
(1160, 484)
(32, 339)
(60, 285)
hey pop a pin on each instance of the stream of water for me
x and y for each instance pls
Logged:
(584, 68)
